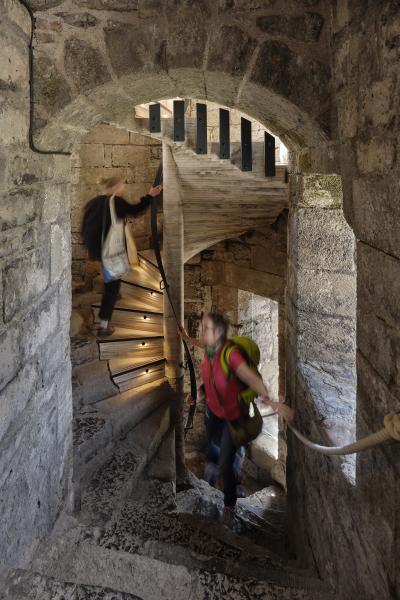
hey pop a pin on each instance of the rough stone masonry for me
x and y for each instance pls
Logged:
(324, 76)
(35, 380)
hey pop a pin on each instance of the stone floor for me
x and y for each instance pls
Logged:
(144, 541)
(37, 587)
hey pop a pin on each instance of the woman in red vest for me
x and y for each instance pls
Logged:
(222, 397)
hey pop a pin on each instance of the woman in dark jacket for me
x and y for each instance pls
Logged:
(92, 231)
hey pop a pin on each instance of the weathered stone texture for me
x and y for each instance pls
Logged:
(24, 280)
(304, 28)
(291, 88)
(322, 282)
(33, 434)
(276, 58)
(130, 51)
(186, 38)
(44, 4)
(230, 51)
(82, 20)
(118, 5)
(364, 52)
(84, 64)
(50, 86)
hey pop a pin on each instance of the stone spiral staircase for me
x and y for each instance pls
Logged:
(119, 382)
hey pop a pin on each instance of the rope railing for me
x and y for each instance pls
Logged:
(390, 431)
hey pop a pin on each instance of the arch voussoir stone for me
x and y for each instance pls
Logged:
(129, 59)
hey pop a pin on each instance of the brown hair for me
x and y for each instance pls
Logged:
(110, 182)
(220, 322)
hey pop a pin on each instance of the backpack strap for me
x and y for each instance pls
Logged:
(225, 356)
(103, 229)
(247, 395)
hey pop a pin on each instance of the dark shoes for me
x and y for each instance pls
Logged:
(228, 516)
(211, 473)
(105, 331)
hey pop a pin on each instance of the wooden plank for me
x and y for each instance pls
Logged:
(269, 155)
(179, 120)
(201, 128)
(224, 134)
(155, 118)
(245, 135)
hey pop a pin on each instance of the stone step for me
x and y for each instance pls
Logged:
(100, 427)
(143, 322)
(261, 522)
(93, 383)
(164, 571)
(28, 585)
(234, 163)
(97, 380)
(210, 164)
(115, 480)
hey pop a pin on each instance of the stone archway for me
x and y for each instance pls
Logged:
(107, 57)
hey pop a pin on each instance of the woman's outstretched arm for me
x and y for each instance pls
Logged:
(192, 341)
(254, 381)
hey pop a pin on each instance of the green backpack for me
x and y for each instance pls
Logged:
(248, 428)
(250, 352)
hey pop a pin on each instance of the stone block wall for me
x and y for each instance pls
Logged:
(258, 319)
(106, 152)
(321, 272)
(35, 379)
(349, 516)
(255, 263)
(321, 352)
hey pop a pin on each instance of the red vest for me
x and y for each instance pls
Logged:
(228, 388)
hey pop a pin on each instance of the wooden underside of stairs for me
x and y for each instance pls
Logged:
(220, 201)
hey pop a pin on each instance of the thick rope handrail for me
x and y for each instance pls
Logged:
(391, 430)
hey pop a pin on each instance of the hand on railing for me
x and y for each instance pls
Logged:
(182, 334)
(191, 341)
(155, 191)
(282, 409)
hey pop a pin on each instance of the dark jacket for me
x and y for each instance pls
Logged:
(96, 210)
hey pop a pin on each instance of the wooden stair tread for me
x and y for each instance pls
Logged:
(141, 346)
(128, 309)
(127, 336)
(126, 364)
(141, 287)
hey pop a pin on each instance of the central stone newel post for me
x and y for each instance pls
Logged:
(173, 262)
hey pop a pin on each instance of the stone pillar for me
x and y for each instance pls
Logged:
(173, 263)
(281, 348)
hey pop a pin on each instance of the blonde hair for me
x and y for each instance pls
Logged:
(110, 182)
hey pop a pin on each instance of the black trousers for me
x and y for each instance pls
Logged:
(218, 432)
(110, 294)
